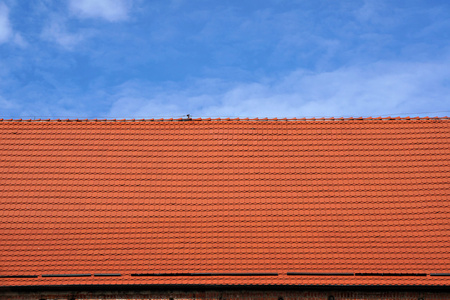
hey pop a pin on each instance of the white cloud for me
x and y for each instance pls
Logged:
(57, 32)
(370, 90)
(368, 11)
(110, 10)
(6, 106)
(19, 40)
(5, 27)
(7, 33)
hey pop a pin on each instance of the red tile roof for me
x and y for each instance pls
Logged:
(248, 202)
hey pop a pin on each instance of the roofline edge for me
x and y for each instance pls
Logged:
(228, 119)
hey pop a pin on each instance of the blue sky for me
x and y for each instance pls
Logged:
(251, 58)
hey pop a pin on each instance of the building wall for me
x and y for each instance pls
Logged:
(225, 295)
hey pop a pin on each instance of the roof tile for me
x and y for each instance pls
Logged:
(359, 196)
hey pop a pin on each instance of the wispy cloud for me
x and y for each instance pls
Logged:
(6, 105)
(56, 31)
(7, 33)
(371, 90)
(5, 26)
(110, 10)
(369, 11)
(60, 28)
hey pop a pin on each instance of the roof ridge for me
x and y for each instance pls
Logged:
(228, 119)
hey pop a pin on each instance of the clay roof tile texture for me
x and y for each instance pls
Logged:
(225, 202)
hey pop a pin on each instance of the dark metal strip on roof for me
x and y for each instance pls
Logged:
(245, 274)
(204, 274)
(390, 274)
(440, 274)
(66, 275)
(107, 275)
(159, 274)
(18, 276)
(318, 274)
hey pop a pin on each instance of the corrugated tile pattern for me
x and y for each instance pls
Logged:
(344, 202)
